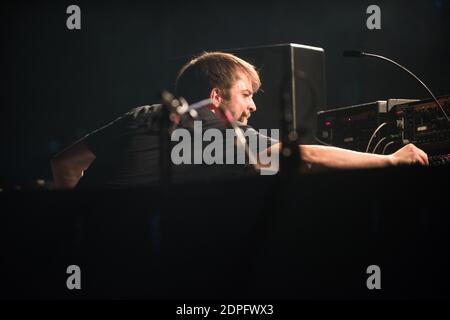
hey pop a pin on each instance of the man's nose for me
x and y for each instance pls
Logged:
(252, 106)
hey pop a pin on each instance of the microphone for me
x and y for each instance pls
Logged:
(360, 54)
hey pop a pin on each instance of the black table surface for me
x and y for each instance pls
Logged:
(298, 237)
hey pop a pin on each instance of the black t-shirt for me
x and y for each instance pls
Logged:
(128, 152)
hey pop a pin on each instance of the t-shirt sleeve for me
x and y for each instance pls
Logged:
(126, 152)
(263, 139)
(109, 139)
(105, 139)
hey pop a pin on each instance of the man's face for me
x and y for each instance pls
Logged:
(241, 103)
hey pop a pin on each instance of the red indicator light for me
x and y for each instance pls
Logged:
(328, 123)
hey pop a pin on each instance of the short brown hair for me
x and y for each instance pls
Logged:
(212, 70)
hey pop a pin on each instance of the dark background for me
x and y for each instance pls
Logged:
(58, 84)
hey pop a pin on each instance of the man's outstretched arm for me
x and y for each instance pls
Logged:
(68, 166)
(321, 157)
(317, 158)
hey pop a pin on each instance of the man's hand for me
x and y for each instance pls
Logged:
(409, 155)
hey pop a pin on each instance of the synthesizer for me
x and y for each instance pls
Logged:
(423, 123)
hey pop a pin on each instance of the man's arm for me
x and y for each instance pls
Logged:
(68, 166)
(317, 158)
(321, 157)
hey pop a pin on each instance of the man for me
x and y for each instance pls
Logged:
(231, 82)
(126, 153)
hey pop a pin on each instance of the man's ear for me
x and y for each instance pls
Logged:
(215, 97)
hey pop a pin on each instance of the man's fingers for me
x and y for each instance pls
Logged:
(424, 157)
(411, 155)
(421, 156)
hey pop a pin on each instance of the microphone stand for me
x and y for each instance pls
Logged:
(290, 158)
(171, 112)
(164, 139)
